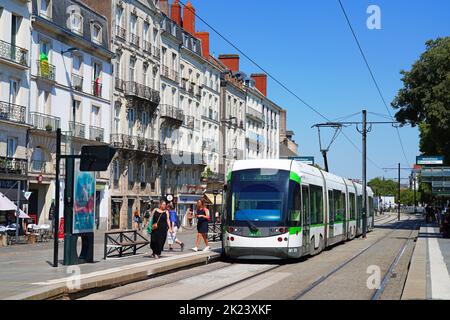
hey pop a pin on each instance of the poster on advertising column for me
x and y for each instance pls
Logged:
(84, 201)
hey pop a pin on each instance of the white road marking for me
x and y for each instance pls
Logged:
(440, 278)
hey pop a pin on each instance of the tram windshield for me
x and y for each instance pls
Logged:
(258, 196)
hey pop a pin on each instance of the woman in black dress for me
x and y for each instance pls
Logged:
(159, 235)
(202, 225)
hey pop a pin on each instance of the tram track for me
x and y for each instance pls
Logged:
(309, 288)
(322, 279)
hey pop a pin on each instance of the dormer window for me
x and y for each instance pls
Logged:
(45, 9)
(76, 22)
(96, 32)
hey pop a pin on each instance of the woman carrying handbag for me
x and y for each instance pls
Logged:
(158, 227)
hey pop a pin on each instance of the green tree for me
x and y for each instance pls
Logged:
(383, 187)
(424, 101)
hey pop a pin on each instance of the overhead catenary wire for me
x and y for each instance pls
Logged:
(277, 81)
(373, 78)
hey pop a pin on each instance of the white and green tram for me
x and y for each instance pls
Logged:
(280, 209)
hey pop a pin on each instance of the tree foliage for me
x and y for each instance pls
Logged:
(383, 187)
(424, 101)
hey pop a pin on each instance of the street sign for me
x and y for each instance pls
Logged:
(96, 158)
(305, 160)
(430, 160)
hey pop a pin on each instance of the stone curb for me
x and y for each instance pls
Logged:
(118, 278)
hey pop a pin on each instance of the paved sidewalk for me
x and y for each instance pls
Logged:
(26, 268)
(429, 277)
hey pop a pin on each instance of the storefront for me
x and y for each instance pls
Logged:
(185, 201)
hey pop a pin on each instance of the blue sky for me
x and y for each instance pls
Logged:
(308, 46)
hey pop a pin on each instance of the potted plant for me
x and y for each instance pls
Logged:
(49, 127)
(141, 143)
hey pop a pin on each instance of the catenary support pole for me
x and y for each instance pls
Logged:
(364, 171)
(399, 191)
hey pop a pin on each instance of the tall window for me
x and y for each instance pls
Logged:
(13, 91)
(117, 119)
(131, 120)
(119, 14)
(45, 8)
(142, 173)
(116, 168)
(96, 32)
(95, 116)
(133, 24)
(130, 172)
(11, 147)
(145, 33)
(132, 69)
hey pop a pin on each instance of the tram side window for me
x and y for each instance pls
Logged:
(360, 205)
(308, 218)
(331, 206)
(339, 208)
(370, 206)
(316, 205)
(352, 208)
(296, 206)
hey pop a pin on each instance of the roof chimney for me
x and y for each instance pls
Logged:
(164, 6)
(189, 18)
(176, 12)
(260, 82)
(204, 37)
(231, 61)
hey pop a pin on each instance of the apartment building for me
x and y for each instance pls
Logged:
(70, 89)
(14, 95)
(135, 133)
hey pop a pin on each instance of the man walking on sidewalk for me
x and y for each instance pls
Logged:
(172, 236)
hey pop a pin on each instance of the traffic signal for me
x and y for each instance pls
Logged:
(96, 158)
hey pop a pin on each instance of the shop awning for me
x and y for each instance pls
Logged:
(11, 194)
(210, 198)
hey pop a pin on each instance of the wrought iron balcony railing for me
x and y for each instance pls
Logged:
(189, 122)
(44, 122)
(97, 88)
(147, 46)
(235, 153)
(140, 91)
(46, 70)
(168, 111)
(77, 82)
(123, 141)
(254, 114)
(169, 73)
(96, 133)
(118, 84)
(121, 32)
(156, 53)
(134, 39)
(13, 53)
(78, 129)
(12, 112)
(9, 165)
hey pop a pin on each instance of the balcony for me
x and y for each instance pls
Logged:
(255, 115)
(142, 94)
(189, 122)
(147, 46)
(235, 153)
(46, 71)
(121, 33)
(210, 145)
(12, 112)
(44, 122)
(118, 84)
(13, 53)
(156, 53)
(134, 40)
(138, 144)
(78, 129)
(96, 134)
(169, 73)
(177, 158)
(13, 166)
(97, 88)
(77, 82)
(174, 117)
(184, 83)
(191, 88)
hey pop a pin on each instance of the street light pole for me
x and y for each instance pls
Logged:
(57, 196)
(18, 211)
